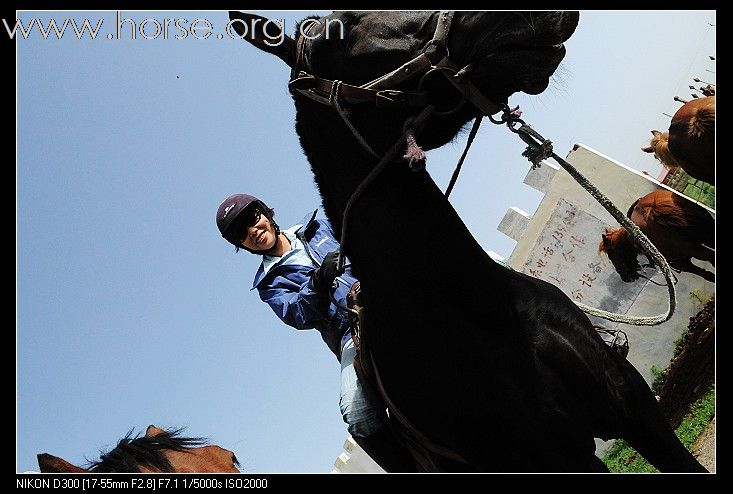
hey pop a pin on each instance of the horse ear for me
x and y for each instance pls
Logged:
(648, 149)
(656, 133)
(606, 241)
(265, 34)
(153, 431)
(53, 464)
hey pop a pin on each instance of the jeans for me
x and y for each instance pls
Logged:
(363, 418)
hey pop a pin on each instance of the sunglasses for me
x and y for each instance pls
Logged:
(250, 217)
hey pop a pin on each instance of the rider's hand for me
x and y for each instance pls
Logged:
(324, 275)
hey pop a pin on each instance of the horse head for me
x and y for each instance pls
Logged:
(659, 147)
(492, 53)
(622, 252)
(158, 451)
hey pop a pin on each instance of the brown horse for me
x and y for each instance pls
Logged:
(158, 451)
(678, 227)
(483, 368)
(690, 142)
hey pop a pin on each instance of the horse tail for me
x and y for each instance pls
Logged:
(703, 121)
(700, 224)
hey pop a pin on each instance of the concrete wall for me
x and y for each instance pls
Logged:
(353, 459)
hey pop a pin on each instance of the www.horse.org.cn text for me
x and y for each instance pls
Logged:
(150, 28)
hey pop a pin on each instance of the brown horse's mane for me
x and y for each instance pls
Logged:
(132, 452)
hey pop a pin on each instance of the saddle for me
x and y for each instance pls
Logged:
(616, 339)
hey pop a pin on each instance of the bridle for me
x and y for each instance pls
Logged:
(435, 58)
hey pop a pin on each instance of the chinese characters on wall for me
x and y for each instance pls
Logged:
(566, 255)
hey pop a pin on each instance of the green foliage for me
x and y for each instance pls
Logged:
(622, 458)
(658, 379)
(700, 297)
(700, 414)
(678, 343)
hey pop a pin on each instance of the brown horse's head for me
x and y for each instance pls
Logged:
(622, 252)
(659, 146)
(158, 451)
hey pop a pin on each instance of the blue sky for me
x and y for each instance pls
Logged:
(132, 310)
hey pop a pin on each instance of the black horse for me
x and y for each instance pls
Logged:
(486, 369)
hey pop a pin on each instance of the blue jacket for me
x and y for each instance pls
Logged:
(288, 289)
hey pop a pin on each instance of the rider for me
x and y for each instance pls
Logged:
(297, 272)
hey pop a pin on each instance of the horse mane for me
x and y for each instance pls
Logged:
(131, 452)
(659, 145)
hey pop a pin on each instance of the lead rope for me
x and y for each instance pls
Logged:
(538, 149)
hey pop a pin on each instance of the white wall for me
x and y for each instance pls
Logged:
(353, 459)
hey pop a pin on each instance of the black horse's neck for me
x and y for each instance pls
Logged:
(402, 226)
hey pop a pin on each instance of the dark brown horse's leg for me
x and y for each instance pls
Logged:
(703, 273)
(705, 253)
(689, 267)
